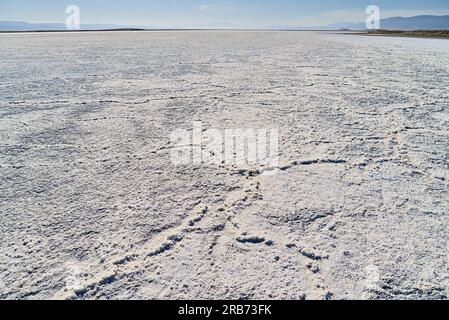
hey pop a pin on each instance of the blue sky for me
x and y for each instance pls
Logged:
(195, 13)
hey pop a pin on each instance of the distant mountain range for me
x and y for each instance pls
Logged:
(400, 23)
(426, 22)
(25, 26)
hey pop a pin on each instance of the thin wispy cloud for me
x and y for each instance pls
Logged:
(214, 7)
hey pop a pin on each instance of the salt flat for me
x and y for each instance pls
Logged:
(92, 207)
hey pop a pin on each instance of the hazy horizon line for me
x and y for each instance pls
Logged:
(213, 25)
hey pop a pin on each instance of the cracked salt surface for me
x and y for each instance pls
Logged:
(357, 208)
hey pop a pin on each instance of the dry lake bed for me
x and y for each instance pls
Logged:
(93, 207)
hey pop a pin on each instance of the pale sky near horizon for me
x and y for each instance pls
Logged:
(239, 13)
